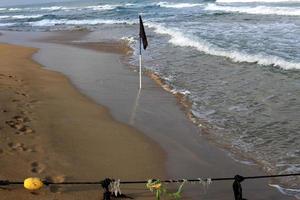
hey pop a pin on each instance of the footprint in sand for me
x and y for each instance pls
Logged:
(11, 76)
(32, 103)
(18, 124)
(4, 110)
(17, 146)
(21, 119)
(14, 78)
(25, 130)
(15, 100)
(37, 167)
(22, 94)
(25, 112)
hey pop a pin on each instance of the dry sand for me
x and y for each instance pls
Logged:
(49, 130)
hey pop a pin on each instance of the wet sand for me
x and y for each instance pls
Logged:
(51, 131)
(157, 114)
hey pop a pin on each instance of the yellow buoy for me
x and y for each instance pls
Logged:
(33, 183)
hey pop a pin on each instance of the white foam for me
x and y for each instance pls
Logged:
(177, 5)
(54, 8)
(103, 7)
(130, 40)
(180, 91)
(178, 39)
(258, 1)
(20, 16)
(4, 16)
(287, 191)
(130, 4)
(53, 22)
(7, 24)
(257, 10)
(25, 16)
(14, 9)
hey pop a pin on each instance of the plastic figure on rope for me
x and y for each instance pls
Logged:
(205, 182)
(160, 190)
(112, 189)
(157, 187)
(115, 188)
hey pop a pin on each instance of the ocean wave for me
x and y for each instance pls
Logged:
(10, 9)
(57, 8)
(25, 16)
(103, 7)
(6, 24)
(178, 39)
(258, 10)
(53, 22)
(287, 191)
(258, 1)
(53, 8)
(4, 16)
(14, 9)
(177, 5)
(20, 16)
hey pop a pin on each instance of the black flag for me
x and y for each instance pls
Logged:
(143, 37)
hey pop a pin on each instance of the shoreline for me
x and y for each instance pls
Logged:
(43, 118)
(194, 159)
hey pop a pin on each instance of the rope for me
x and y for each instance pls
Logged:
(7, 182)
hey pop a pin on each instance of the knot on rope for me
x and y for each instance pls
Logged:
(237, 187)
(4, 182)
(105, 185)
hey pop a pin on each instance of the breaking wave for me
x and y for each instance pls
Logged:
(7, 24)
(103, 7)
(4, 17)
(258, 1)
(53, 22)
(177, 5)
(58, 8)
(14, 9)
(178, 39)
(20, 16)
(54, 8)
(258, 10)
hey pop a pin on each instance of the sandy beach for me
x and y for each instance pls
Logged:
(150, 89)
(49, 130)
(68, 141)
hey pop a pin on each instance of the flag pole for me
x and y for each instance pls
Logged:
(143, 38)
(140, 62)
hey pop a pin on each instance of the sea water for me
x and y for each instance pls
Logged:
(236, 61)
